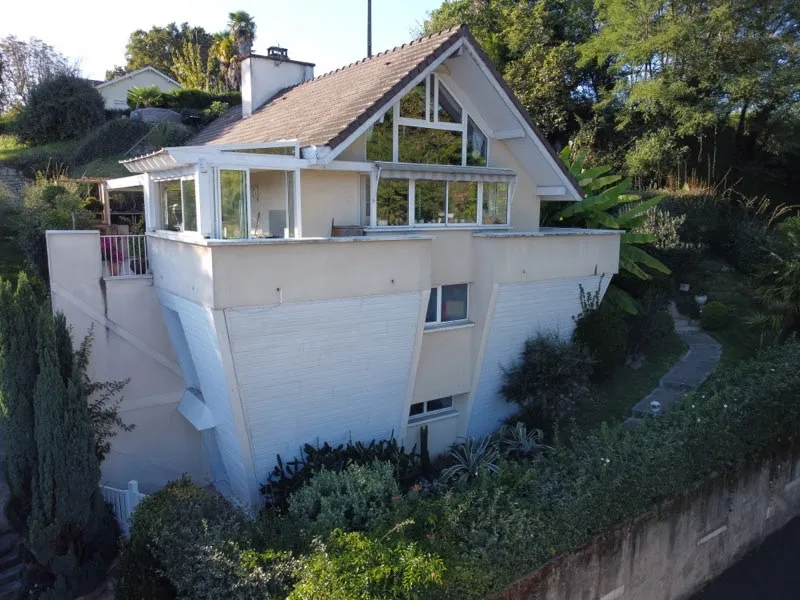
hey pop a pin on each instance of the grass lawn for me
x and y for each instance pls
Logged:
(616, 396)
(29, 159)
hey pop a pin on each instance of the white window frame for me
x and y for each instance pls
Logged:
(438, 322)
(218, 201)
(427, 415)
(162, 225)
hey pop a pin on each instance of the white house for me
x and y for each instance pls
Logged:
(115, 91)
(351, 256)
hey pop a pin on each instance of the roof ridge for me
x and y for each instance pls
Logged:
(449, 30)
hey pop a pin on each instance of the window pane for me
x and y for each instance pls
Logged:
(393, 202)
(495, 203)
(476, 145)
(429, 146)
(454, 302)
(462, 206)
(430, 316)
(440, 403)
(448, 110)
(291, 203)
(365, 198)
(171, 205)
(412, 105)
(416, 409)
(233, 196)
(189, 205)
(430, 199)
(379, 139)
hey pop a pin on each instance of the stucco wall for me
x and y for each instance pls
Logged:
(115, 94)
(525, 204)
(130, 341)
(672, 551)
(268, 193)
(327, 195)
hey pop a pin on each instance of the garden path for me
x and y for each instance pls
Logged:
(692, 370)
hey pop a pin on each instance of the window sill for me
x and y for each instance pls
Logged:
(424, 419)
(448, 326)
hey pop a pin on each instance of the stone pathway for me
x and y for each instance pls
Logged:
(692, 370)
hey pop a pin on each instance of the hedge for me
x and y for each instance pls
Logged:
(475, 539)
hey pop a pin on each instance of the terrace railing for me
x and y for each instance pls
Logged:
(124, 256)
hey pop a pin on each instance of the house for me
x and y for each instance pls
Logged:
(115, 92)
(351, 256)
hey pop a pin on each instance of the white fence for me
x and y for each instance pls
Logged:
(123, 502)
(124, 255)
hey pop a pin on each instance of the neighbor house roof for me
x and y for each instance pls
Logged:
(133, 74)
(326, 110)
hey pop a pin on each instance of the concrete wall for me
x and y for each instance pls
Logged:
(115, 94)
(264, 77)
(130, 341)
(670, 552)
(328, 195)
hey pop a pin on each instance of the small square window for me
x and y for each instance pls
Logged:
(422, 409)
(448, 303)
(439, 404)
(416, 409)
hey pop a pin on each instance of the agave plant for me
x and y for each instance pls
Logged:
(516, 441)
(470, 458)
(602, 209)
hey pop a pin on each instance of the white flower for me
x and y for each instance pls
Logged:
(724, 406)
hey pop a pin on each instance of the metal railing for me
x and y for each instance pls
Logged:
(124, 256)
(123, 502)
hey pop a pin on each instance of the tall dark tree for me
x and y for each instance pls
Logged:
(157, 47)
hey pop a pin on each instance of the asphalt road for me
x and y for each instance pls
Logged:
(770, 572)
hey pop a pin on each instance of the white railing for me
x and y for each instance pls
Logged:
(123, 502)
(124, 256)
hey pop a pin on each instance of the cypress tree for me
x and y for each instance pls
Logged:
(18, 318)
(68, 516)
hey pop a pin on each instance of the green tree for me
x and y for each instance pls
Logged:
(157, 47)
(242, 30)
(18, 372)
(68, 516)
(189, 67)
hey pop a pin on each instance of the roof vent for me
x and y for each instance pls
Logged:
(277, 53)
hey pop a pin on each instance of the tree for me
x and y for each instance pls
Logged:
(117, 71)
(223, 53)
(18, 372)
(61, 108)
(190, 69)
(242, 29)
(158, 47)
(68, 522)
(24, 65)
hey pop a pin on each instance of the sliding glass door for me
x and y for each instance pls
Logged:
(234, 203)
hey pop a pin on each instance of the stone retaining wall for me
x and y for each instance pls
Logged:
(670, 552)
(14, 181)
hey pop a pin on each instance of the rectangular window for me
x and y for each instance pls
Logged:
(427, 146)
(430, 201)
(431, 406)
(189, 205)
(462, 202)
(477, 146)
(448, 110)
(412, 105)
(379, 138)
(448, 303)
(495, 203)
(393, 202)
(233, 200)
(365, 198)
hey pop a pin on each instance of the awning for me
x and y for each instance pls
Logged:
(389, 170)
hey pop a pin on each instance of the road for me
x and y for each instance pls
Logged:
(770, 572)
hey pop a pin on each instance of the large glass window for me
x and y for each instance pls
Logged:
(393, 202)
(448, 303)
(171, 205)
(189, 205)
(233, 198)
(429, 146)
(448, 110)
(477, 145)
(462, 202)
(412, 105)
(495, 203)
(379, 139)
(430, 201)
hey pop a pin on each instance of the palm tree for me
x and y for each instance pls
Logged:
(223, 51)
(242, 29)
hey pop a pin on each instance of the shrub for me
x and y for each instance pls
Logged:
(549, 379)
(603, 331)
(286, 479)
(62, 108)
(470, 459)
(145, 97)
(163, 135)
(347, 500)
(714, 316)
(114, 138)
(202, 546)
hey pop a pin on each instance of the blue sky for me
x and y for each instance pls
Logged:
(330, 33)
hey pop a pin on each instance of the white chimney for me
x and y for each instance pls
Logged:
(265, 76)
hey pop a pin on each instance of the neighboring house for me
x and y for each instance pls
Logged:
(115, 92)
(353, 256)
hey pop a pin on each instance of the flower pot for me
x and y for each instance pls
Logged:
(701, 300)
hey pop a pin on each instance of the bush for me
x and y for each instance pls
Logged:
(163, 135)
(286, 479)
(114, 138)
(62, 108)
(347, 500)
(549, 379)
(714, 316)
(198, 543)
(603, 331)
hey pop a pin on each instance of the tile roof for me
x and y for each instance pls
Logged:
(325, 110)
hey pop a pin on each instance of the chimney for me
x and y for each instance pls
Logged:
(263, 76)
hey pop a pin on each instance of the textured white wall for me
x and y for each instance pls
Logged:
(327, 370)
(115, 94)
(520, 310)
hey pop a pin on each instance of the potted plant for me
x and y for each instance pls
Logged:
(700, 295)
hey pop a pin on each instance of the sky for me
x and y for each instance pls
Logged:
(329, 33)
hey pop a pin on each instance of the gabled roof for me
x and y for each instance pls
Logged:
(134, 73)
(326, 110)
